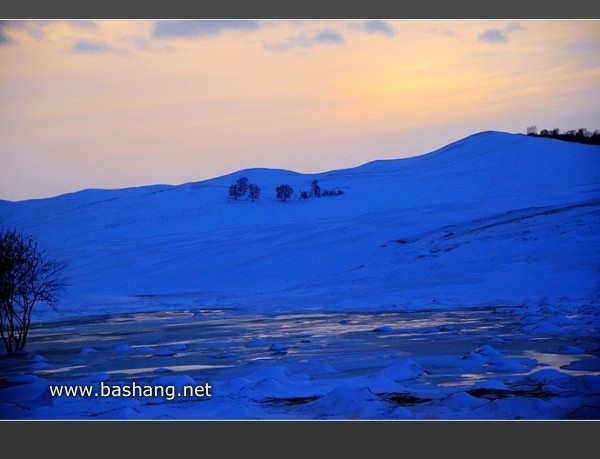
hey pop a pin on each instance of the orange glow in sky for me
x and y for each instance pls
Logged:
(119, 103)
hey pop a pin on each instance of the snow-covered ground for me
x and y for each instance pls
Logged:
(460, 284)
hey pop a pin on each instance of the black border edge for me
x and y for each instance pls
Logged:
(307, 437)
(379, 9)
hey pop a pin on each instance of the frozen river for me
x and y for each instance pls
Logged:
(426, 356)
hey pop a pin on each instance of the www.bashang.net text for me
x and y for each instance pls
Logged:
(168, 392)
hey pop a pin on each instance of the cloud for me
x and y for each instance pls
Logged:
(144, 44)
(299, 41)
(329, 36)
(495, 36)
(378, 26)
(4, 38)
(449, 33)
(446, 33)
(199, 28)
(302, 40)
(93, 47)
(86, 46)
(37, 28)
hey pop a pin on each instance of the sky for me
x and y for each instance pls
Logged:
(125, 103)
(416, 294)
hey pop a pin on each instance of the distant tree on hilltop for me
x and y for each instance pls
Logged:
(317, 192)
(242, 184)
(253, 192)
(284, 192)
(532, 130)
(315, 189)
(238, 189)
(241, 187)
(581, 135)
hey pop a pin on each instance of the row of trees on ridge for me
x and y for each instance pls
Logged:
(283, 192)
(241, 187)
(581, 135)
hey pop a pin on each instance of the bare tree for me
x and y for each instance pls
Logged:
(27, 276)
(284, 192)
(583, 133)
(239, 188)
(242, 183)
(253, 192)
(315, 189)
(235, 191)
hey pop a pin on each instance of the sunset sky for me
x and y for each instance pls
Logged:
(121, 103)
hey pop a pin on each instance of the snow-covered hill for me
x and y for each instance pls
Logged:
(460, 284)
(493, 217)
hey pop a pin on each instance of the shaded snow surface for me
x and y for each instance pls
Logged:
(460, 284)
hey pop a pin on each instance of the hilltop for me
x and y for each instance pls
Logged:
(494, 217)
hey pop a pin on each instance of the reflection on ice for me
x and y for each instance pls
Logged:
(167, 369)
(136, 343)
(296, 363)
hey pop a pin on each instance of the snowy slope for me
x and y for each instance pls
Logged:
(493, 216)
(460, 284)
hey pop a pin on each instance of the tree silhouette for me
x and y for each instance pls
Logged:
(239, 188)
(581, 135)
(253, 192)
(315, 189)
(284, 192)
(27, 276)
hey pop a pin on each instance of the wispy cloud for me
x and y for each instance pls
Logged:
(4, 37)
(38, 28)
(444, 33)
(145, 44)
(497, 36)
(304, 41)
(378, 27)
(199, 28)
(87, 46)
(329, 36)
(493, 36)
